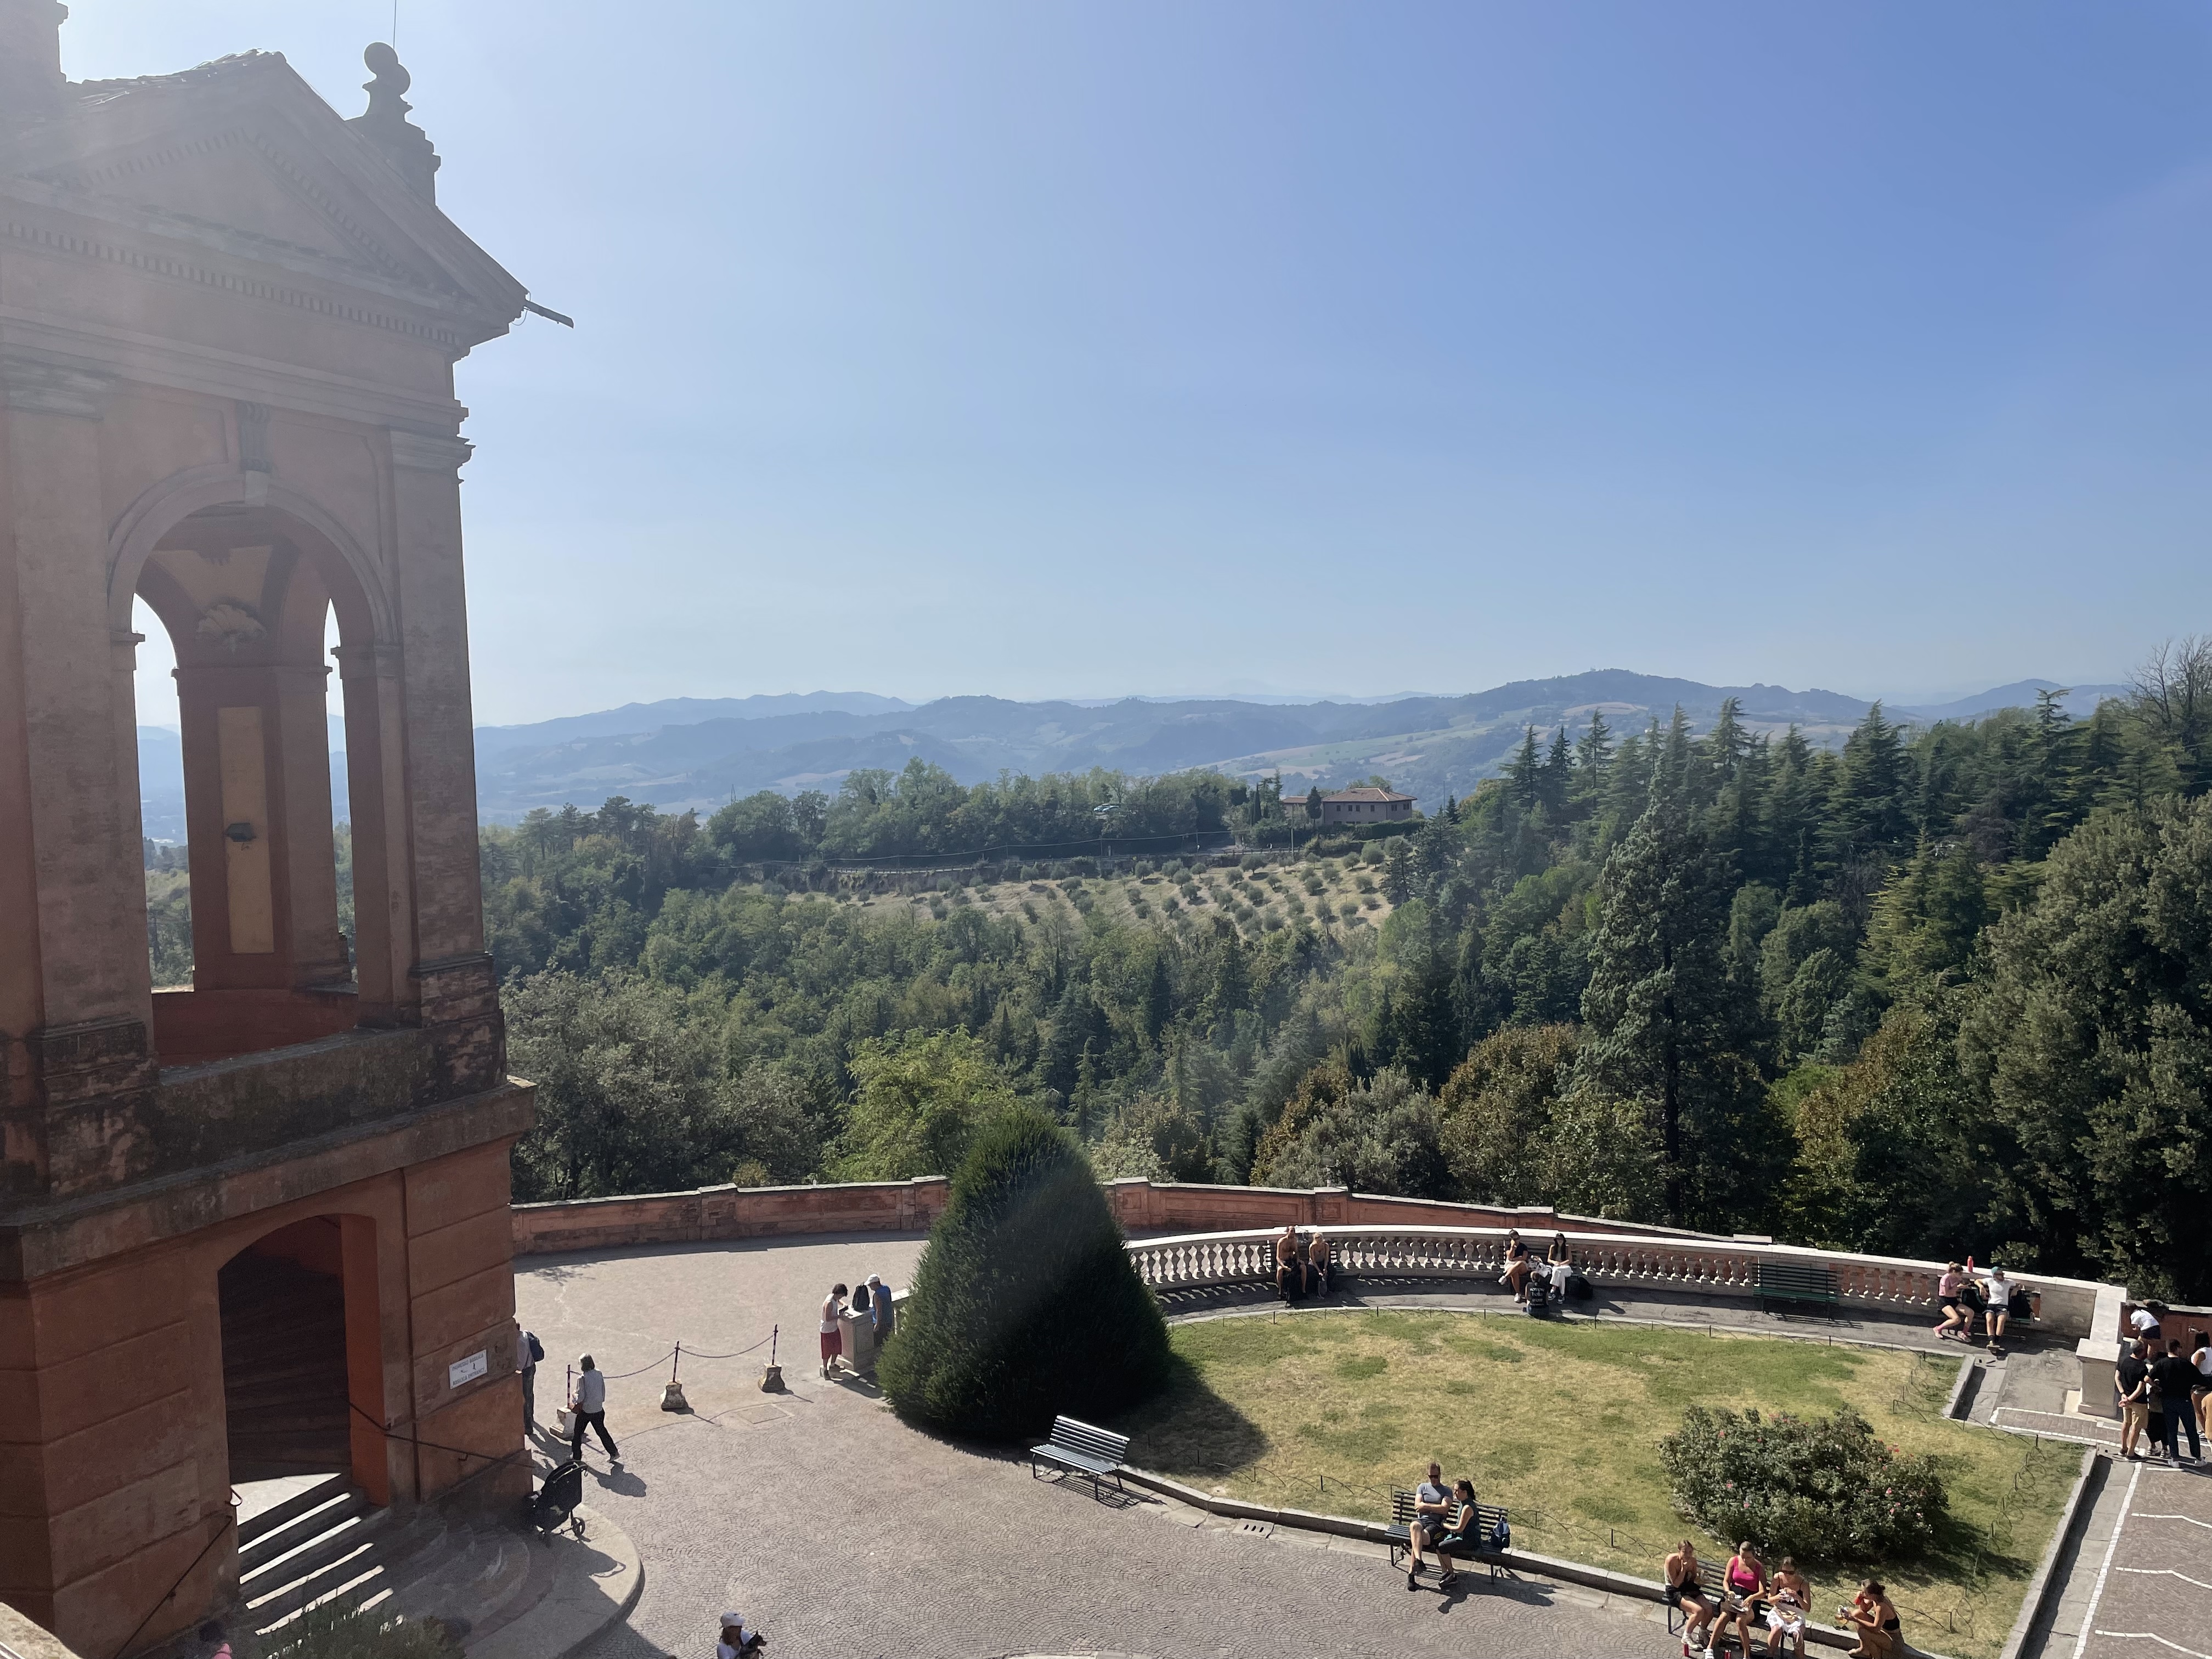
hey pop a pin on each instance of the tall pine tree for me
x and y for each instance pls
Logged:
(1666, 1025)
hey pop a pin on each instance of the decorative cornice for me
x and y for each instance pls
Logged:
(153, 264)
(428, 451)
(41, 386)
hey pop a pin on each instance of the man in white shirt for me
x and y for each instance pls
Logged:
(591, 1411)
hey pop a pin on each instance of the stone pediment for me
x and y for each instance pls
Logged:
(243, 155)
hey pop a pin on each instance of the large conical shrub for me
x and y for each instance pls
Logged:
(1025, 1305)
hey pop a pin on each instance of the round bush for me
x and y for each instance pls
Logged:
(1025, 1305)
(1823, 1488)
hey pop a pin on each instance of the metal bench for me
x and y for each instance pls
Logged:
(1712, 1578)
(1487, 1520)
(1795, 1281)
(1082, 1448)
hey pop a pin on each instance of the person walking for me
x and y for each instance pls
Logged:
(832, 1345)
(590, 1411)
(2176, 1381)
(528, 1351)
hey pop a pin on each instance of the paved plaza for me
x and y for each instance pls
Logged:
(840, 1530)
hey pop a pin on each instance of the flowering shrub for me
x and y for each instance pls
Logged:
(1822, 1489)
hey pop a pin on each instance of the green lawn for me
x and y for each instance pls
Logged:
(1560, 1423)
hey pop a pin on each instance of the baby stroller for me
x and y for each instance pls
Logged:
(556, 1501)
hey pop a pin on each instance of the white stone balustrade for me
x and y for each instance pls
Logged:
(1712, 1268)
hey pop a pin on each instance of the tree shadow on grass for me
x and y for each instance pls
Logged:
(1189, 1431)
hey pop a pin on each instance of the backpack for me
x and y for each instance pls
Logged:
(1579, 1288)
(1501, 1535)
(536, 1348)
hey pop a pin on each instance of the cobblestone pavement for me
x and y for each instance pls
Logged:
(2153, 1589)
(841, 1531)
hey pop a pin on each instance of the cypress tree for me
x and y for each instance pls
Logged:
(1667, 1024)
(1526, 771)
(1025, 1305)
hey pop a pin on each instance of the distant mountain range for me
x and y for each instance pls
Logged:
(697, 753)
(701, 751)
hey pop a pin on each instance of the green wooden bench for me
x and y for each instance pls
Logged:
(1796, 1282)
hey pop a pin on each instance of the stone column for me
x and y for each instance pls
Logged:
(454, 984)
(376, 785)
(75, 995)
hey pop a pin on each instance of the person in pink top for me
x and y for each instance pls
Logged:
(833, 1342)
(1955, 1318)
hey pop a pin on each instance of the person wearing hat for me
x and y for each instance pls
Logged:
(735, 1643)
(879, 1308)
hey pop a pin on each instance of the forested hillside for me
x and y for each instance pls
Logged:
(1942, 989)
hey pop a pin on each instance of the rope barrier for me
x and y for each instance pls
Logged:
(459, 1451)
(228, 1520)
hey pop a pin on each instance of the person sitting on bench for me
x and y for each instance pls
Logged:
(1462, 1533)
(1680, 1572)
(1318, 1265)
(1788, 1594)
(1289, 1271)
(1431, 1505)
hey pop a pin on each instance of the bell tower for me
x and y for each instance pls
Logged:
(226, 390)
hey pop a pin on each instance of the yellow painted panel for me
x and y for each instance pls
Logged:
(245, 766)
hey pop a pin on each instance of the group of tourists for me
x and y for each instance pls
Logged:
(1446, 1523)
(1750, 1599)
(1535, 1282)
(1967, 1296)
(2165, 1385)
(1302, 1270)
(872, 1299)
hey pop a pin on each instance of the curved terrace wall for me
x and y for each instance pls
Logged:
(722, 1212)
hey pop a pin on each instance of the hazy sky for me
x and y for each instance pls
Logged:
(1053, 349)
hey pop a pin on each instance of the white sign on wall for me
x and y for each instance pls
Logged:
(467, 1370)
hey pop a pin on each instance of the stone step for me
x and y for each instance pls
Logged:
(310, 1557)
(301, 1527)
(278, 1515)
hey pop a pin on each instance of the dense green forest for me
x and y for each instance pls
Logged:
(1942, 989)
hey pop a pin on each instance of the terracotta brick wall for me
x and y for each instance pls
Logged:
(717, 1212)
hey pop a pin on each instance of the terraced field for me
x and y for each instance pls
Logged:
(1337, 895)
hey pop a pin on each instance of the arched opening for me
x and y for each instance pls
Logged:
(303, 1403)
(249, 595)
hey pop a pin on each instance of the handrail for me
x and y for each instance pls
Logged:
(1724, 1267)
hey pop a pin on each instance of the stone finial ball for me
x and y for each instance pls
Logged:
(384, 63)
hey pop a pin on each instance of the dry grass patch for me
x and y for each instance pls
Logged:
(1561, 1424)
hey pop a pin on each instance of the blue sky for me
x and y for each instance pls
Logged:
(1052, 349)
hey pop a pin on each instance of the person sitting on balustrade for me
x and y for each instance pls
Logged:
(1290, 1266)
(1519, 1264)
(1874, 1617)
(1318, 1265)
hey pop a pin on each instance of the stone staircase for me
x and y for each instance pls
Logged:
(324, 1544)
